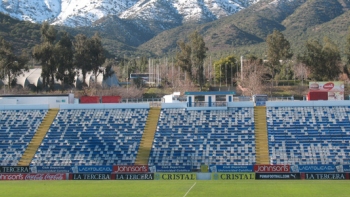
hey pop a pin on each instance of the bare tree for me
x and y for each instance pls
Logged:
(253, 78)
(301, 72)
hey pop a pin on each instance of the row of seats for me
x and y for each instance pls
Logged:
(222, 137)
(92, 137)
(17, 128)
(296, 135)
(309, 135)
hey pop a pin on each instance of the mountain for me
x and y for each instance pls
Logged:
(299, 20)
(153, 27)
(78, 13)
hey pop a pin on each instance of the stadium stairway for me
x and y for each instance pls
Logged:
(38, 138)
(261, 141)
(147, 137)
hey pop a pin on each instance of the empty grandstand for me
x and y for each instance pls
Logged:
(211, 137)
(92, 137)
(17, 128)
(194, 135)
(309, 135)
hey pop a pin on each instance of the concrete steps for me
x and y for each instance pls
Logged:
(38, 138)
(147, 137)
(261, 140)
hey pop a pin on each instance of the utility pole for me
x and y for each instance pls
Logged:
(241, 68)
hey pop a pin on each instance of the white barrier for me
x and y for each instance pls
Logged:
(174, 105)
(106, 106)
(241, 104)
(23, 107)
(306, 103)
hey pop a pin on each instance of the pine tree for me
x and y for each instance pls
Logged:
(64, 58)
(323, 61)
(45, 53)
(278, 48)
(11, 64)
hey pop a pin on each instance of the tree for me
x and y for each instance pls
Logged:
(64, 59)
(108, 68)
(278, 48)
(191, 57)
(96, 53)
(225, 68)
(183, 58)
(11, 64)
(89, 54)
(45, 53)
(81, 55)
(254, 75)
(323, 61)
(198, 54)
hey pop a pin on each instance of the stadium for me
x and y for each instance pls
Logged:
(220, 146)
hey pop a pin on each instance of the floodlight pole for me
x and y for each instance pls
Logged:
(241, 68)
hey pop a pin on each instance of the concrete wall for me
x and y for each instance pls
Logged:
(53, 102)
(6, 101)
(21, 107)
(174, 105)
(106, 106)
(306, 103)
(241, 104)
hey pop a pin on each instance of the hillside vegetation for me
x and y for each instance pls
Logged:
(241, 33)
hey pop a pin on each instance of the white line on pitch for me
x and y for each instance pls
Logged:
(190, 189)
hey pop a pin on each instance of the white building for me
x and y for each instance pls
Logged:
(32, 77)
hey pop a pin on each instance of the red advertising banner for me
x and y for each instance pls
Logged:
(271, 168)
(131, 169)
(315, 96)
(89, 99)
(111, 99)
(60, 176)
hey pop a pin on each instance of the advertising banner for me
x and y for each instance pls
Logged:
(233, 176)
(277, 176)
(175, 176)
(226, 168)
(271, 168)
(131, 169)
(14, 169)
(146, 176)
(43, 176)
(92, 169)
(345, 168)
(324, 176)
(88, 176)
(313, 168)
(324, 86)
(170, 169)
(50, 169)
(335, 89)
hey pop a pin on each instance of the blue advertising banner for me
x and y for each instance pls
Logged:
(92, 169)
(170, 169)
(346, 168)
(228, 168)
(50, 169)
(313, 168)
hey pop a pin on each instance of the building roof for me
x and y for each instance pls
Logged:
(33, 77)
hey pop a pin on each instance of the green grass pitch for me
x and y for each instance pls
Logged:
(254, 188)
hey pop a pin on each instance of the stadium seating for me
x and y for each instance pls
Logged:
(92, 137)
(309, 135)
(17, 128)
(192, 138)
